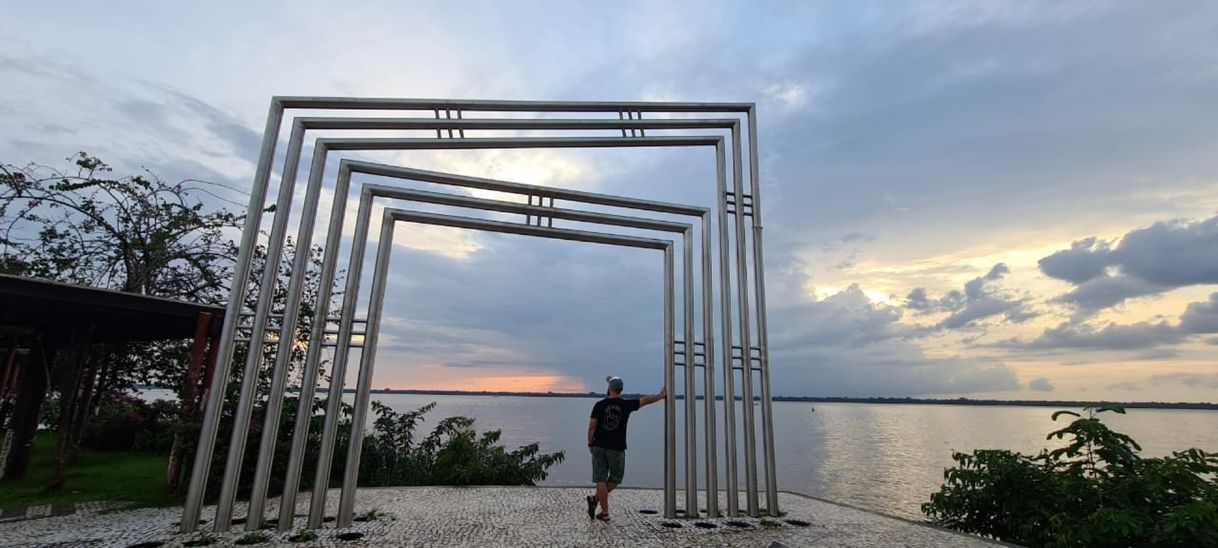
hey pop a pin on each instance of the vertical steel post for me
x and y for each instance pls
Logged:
(742, 296)
(346, 501)
(308, 383)
(708, 379)
(767, 421)
(253, 357)
(670, 385)
(691, 401)
(725, 318)
(334, 396)
(287, 341)
(232, 317)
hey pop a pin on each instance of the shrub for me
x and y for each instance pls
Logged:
(452, 454)
(124, 422)
(1095, 491)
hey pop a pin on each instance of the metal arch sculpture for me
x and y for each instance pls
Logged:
(739, 207)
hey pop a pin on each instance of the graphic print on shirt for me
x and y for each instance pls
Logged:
(613, 417)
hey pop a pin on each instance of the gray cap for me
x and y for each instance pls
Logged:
(615, 383)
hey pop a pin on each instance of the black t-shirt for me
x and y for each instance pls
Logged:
(611, 415)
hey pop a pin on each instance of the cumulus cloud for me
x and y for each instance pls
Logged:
(846, 344)
(1146, 261)
(1041, 384)
(981, 298)
(1201, 317)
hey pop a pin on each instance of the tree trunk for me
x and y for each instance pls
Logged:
(186, 399)
(69, 395)
(32, 391)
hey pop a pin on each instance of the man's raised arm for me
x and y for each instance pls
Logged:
(647, 400)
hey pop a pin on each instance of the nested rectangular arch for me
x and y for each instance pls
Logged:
(304, 238)
(739, 196)
(371, 191)
(390, 218)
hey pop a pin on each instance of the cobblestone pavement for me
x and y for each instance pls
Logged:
(56, 510)
(509, 516)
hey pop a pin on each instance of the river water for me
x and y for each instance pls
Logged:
(886, 457)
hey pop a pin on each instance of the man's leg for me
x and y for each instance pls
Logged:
(616, 461)
(602, 495)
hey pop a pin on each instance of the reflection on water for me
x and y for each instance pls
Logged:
(885, 457)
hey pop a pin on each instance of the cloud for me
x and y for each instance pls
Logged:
(981, 299)
(1146, 261)
(846, 344)
(1192, 380)
(1201, 317)
(1041, 384)
(1072, 336)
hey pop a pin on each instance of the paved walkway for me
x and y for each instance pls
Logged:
(510, 516)
(20, 513)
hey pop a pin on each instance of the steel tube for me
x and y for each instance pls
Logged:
(746, 378)
(287, 327)
(371, 143)
(725, 313)
(346, 501)
(767, 420)
(308, 383)
(505, 124)
(219, 380)
(691, 400)
(393, 103)
(334, 396)
(670, 398)
(253, 357)
(708, 378)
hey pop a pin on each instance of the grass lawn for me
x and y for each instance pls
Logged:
(93, 476)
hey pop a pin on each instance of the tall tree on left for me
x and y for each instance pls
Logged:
(136, 234)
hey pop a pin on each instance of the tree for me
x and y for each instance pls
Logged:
(136, 234)
(1095, 491)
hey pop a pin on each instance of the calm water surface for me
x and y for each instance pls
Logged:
(887, 457)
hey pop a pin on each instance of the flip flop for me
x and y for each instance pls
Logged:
(591, 506)
(602, 517)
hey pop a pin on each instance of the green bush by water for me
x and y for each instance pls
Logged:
(1095, 491)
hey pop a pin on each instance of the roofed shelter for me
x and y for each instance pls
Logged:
(43, 322)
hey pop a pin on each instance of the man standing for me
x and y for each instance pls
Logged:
(607, 442)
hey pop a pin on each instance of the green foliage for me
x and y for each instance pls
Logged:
(125, 422)
(303, 536)
(201, 539)
(1096, 490)
(453, 454)
(137, 234)
(252, 538)
(138, 478)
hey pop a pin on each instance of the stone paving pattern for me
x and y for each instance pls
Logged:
(508, 516)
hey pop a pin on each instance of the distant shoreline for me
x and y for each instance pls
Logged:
(831, 399)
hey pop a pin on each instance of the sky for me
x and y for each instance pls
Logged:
(989, 199)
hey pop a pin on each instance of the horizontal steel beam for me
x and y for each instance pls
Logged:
(389, 103)
(372, 168)
(515, 142)
(526, 230)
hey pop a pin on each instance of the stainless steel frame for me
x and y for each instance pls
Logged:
(372, 191)
(738, 201)
(363, 388)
